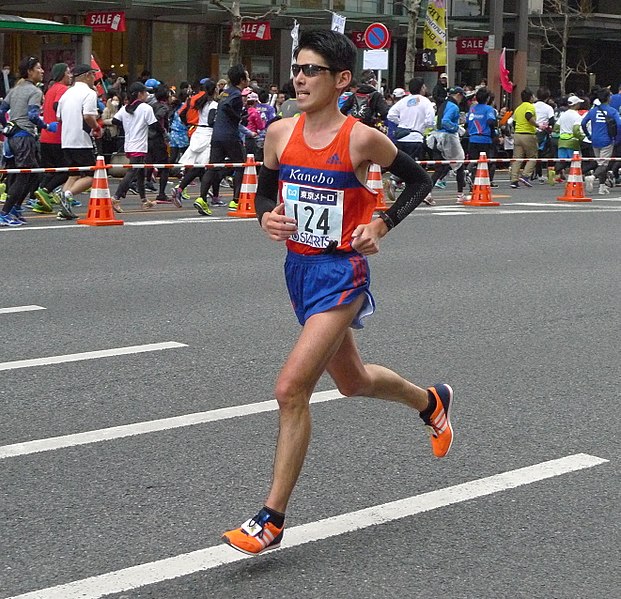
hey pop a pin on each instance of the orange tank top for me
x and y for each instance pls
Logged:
(321, 191)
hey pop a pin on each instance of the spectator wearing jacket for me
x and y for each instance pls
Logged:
(481, 123)
(375, 109)
(601, 116)
(448, 141)
(226, 145)
(439, 91)
(24, 103)
(7, 81)
(50, 143)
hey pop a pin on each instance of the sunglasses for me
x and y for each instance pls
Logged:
(309, 70)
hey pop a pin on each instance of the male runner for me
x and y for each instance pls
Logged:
(315, 167)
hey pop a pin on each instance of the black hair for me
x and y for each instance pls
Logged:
(210, 88)
(288, 89)
(236, 74)
(482, 95)
(543, 93)
(263, 95)
(162, 92)
(603, 95)
(27, 63)
(337, 49)
(416, 84)
(526, 95)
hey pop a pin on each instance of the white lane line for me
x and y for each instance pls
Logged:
(151, 426)
(192, 219)
(213, 557)
(20, 309)
(90, 355)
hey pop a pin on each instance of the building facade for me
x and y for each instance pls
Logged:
(177, 40)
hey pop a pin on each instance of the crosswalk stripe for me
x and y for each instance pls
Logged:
(20, 309)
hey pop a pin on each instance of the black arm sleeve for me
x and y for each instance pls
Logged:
(267, 192)
(417, 188)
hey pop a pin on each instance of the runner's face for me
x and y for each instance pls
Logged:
(314, 93)
(36, 73)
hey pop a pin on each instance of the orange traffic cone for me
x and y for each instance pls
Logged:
(245, 208)
(374, 182)
(574, 189)
(100, 211)
(481, 190)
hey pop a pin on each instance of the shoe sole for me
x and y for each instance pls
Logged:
(176, 200)
(201, 210)
(265, 550)
(448, 417)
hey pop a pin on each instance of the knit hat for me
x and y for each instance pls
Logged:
(59, 70)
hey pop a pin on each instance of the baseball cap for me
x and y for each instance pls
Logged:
(246, 91)
(252, 97)
(204, 80)
(59, 70)
(456, 90)
(136, 87)
(82, 69)
(444, 75)
(573, 100)
(152, 83)
(398, 92)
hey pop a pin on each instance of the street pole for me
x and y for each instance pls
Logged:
(494, 50)
(520, 63)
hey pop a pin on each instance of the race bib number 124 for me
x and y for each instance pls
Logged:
(318, 213)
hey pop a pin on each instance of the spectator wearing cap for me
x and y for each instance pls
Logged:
(256, 125)
(570, 133)
(225, 142)
(136, 119)
(439, 92)
(448, 142)
(413, 115)
(398, 93)
(77, 110)
(24, 101)
(50, 142)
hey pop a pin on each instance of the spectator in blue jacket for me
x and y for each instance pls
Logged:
(481, 122)
(448, 143)
(601, 118)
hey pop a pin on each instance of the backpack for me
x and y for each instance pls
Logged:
(361, 108)
(611, 124)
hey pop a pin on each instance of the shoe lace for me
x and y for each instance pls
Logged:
(257, 522)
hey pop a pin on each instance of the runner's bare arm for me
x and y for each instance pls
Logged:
(270, 213)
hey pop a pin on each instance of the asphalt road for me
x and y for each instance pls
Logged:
(516, 307)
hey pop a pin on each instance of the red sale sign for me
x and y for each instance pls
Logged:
(106, 21)
(256, 30)
(472, 45)
(358, 38)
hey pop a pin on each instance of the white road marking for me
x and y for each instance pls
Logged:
(90, 355)
(213, 557)
(151, 426)
(20, 309)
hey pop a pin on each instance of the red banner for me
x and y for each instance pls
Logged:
(472, 45)
(106, 21)
(358, 38)
(256, 30)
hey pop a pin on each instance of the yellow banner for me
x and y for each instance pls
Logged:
(434, 32)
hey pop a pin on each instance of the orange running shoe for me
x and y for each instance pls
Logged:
(439, 422)
(255, 536)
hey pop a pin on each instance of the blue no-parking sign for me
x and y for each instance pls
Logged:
(377, 36)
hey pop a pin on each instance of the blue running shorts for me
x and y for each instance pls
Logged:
(320, 282)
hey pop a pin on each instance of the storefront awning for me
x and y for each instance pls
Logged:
(14, 23)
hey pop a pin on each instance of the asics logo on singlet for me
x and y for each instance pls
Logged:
(334, 159)
(297, 174)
